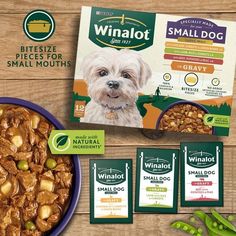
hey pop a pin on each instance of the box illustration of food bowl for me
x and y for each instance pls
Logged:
(39, 26)
(154, 71)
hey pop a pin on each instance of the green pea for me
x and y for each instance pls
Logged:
(192, 220)
(178, 225)
(30, 225)
(231, 218)
(198, 235)
(192, 231)
(221, 227)
(51, 163)
(215, 224)
(199, 230)
(185, 228)
(23, 165)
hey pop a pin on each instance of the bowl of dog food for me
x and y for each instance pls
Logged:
(185, 117)
(36, 193)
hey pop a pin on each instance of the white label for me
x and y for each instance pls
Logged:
(111, 201)
(156, 190)
(201, 184)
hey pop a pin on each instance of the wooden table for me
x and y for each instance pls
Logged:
(52, 89)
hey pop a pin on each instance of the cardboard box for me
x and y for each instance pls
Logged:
(154, 71)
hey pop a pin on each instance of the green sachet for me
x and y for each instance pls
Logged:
(157, 180)
(111, 191)
(201, 174)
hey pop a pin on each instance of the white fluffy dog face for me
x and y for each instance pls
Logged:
(114, 77)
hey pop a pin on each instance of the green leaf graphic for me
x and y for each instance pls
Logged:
(61, 140)
(210, 119)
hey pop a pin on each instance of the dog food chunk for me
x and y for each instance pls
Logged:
(184, 118)
(46, 197)
(17, 140)
(33, 197)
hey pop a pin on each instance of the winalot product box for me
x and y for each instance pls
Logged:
(154, 71)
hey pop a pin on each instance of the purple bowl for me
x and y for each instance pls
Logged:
(76, 162)
(182, 102)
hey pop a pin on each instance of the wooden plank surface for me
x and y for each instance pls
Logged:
(143, 224)
(16, 6)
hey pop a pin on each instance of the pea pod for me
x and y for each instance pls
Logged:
(212, 229)
(201, 215)
(187, 228)
(223, 221)
(215, 231)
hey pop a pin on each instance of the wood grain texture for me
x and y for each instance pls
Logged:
(147, 5)
(65, 38)
(143, 224)
(55, 96)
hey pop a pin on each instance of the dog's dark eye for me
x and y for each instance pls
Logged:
(103, 73)
(126, 75)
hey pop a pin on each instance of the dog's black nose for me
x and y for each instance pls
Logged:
(113, 84)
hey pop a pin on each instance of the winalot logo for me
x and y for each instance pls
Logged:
(157, 165)
(201, 159)
(110, 176)
(121, 29)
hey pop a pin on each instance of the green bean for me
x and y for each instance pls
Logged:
(51, 163)
(22, 165)
(223, 221)
(185, 227)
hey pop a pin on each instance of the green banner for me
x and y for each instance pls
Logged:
(121, 28)
(194, 53)
(77, 141)
(217, 120)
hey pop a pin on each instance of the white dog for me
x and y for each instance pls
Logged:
(114, 78)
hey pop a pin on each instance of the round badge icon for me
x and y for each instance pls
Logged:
(61, 142)
(167, 76)
(39, 25)
(191, 79)
(215, 82)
